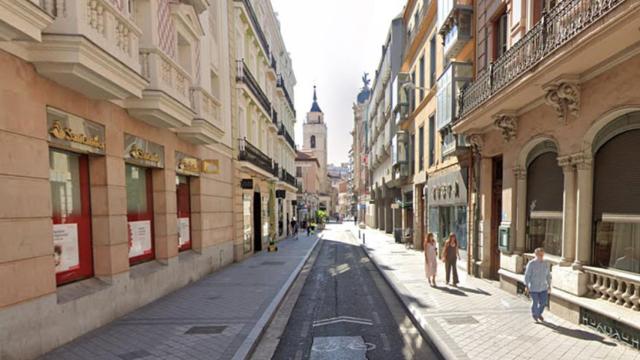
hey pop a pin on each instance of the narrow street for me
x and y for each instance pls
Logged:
(347, 311)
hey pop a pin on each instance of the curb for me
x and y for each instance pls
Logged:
(249, 343)
(414, 313)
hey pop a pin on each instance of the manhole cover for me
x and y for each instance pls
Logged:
(205, 330)
(461, 320)
(138, 354)
(272, 263)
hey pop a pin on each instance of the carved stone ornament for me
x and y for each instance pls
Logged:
(564, 97)
(520, 173)
(476, 141)
(508, 124)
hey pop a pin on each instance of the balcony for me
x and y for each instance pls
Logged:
(91, 47)
(567, 20)
(287, 137)
(288, 178)
(453, 79)
(255, 157)
(166, 102)
(281, 85)
(206, 127)
(250, 15)
(452, 144)
(22, 20)
(244, 76)
(454, 22)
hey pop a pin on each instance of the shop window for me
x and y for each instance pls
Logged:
(544, 204)
(616, 207)
(183, 195)
(139, 213)
(71, 215)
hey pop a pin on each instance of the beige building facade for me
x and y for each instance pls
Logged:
(553, 123)
(120, 158)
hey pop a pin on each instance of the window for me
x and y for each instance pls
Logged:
(432, 140)
(421, 148)
(139, 213)
(412, 96)
(412, 147)
(421, 77)
(432, 61)
(500, 36)
(313, 141)
(615, 201)
(184, 53)
(298, 171)
(544, 204)
(71, 216)
(183, 195)
(215, 85)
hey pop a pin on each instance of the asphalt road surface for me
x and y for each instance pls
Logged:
(345, 310)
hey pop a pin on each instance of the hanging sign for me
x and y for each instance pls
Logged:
(143, 152)
(281, 194)
(75, 133)
(66, 254)
(246, 183)
(186, 165)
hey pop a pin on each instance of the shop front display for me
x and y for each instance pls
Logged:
(186, 168)
(72, 140)
(141, 156)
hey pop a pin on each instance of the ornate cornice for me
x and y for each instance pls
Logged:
(508, 124)
(564, 97)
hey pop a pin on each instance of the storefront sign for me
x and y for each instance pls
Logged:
(611, 328)
(143, 152)
(211, 166)
(246, 183)
(75, 133)
(448, 189)
(184, 232)
(186, 165)
(139, 238)
(65, 247)
(281, 194)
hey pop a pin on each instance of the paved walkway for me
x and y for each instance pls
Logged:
(218, 317)
(478, 320)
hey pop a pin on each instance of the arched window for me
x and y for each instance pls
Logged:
(313, 141)
(544, 200)
(616, 199)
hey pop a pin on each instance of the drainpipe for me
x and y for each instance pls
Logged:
(475, 159)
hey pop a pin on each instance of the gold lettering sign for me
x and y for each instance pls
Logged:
(189, 165)
(140, 154)
(60, 133)
(211, 166)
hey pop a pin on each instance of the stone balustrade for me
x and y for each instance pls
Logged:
(104, 24)
(206, 106)
(166, 75)
(614, 286)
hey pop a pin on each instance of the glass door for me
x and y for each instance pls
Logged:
(139, 213)
(71, 215)
(183, 195)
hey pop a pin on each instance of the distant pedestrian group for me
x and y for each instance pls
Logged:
(450, 254)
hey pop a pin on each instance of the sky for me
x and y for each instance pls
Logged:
(332, 43)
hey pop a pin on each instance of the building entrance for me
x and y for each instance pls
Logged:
(257, 222)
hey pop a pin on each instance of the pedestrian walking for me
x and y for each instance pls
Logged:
(430, 258)
(450, 256)
(537, 281)
(294, 227)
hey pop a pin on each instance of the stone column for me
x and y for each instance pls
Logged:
(569, 210)
(584, 211)
(165, 212)
(521, 209)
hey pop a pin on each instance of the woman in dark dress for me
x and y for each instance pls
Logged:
(450, 256)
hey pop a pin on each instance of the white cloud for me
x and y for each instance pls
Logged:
(332, 43)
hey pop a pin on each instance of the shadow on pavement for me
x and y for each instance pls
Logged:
(474, 291)
(578, 334)
(452, 291)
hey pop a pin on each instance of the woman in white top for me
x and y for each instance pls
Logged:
(430, 258)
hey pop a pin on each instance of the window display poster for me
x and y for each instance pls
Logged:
(139, 238)
(65, 247)
(184, 235)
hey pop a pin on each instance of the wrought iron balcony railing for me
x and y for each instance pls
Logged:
(288, 178)
(253, 155)
(256, 25)
(244, 75)
(280, 84)
(561, 24)
(283, 132)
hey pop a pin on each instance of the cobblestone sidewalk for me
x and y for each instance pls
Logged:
(478, 320)
(217, 317)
